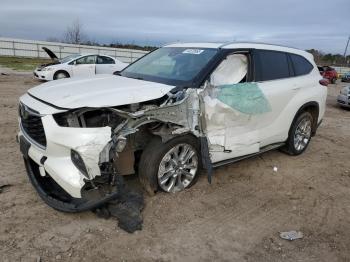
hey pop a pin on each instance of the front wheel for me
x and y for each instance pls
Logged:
(299, 134)
(170, 166)
(60, 75)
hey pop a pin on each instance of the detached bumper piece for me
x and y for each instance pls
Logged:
(113, 201)
(56, 197)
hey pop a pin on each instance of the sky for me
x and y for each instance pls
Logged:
(305, 24)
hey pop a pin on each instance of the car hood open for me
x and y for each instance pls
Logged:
(50, 53)
(99, 91)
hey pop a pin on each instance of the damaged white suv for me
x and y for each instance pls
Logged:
(179, 108)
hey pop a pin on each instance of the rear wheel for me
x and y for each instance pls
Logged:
(299, 134)
(60, 75)
(170, 166)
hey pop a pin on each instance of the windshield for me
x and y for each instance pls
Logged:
(69, 58)
(170, 65)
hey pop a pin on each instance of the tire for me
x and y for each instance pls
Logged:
(158, 157)
(60, 75)
(298, 134)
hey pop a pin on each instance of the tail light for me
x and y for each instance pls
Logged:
(324, 82)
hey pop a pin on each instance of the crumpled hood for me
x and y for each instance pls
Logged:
(99, 91)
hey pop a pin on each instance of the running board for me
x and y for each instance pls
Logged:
(236, 159)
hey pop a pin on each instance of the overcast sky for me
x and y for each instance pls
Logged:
(305, 24)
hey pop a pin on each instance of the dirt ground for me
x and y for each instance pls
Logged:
(236, 218)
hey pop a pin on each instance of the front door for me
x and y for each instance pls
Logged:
(84, 66)
(243, 103)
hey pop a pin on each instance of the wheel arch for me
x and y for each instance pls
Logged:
(314, 109)
(60, 71)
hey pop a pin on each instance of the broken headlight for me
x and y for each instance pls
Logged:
(88, 118)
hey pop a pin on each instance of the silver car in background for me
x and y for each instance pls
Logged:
(344, 97)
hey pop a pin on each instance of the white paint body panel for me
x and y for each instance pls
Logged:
(99, 91)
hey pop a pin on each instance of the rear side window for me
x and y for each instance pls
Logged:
(301, 65)
(272, 65)
(105, 60)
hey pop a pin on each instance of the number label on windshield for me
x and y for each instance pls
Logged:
(193, 51)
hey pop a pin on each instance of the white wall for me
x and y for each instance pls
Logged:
(32, 48)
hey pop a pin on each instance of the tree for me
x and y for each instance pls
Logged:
(74, 33)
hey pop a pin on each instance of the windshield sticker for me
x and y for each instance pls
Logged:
(193, 51)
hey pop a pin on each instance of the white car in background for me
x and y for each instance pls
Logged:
(77, 65)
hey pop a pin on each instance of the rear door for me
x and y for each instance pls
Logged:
(274, 76)
(105, 65)
(84, 66)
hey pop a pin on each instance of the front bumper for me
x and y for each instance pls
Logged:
(55, 158)
(344, 100)
(43, 75)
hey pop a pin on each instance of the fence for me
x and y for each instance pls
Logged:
(32, 48)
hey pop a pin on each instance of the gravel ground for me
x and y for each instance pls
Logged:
(237, 218)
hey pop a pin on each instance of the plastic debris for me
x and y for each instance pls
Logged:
(126, 208)
(291, 235)
(275, 169)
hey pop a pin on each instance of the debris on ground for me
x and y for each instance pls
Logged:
(291, 235)
(4, 74)
(126, 208)
(4, 186)
(275, 169)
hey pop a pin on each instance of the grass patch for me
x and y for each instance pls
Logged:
(22, 63)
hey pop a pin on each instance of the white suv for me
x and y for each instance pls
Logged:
(176, 109)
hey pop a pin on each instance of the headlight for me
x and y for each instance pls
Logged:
(47, 69)
(345, 91)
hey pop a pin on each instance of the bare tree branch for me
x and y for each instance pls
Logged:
(74, 33)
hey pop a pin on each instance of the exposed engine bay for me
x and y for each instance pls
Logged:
(134, 125)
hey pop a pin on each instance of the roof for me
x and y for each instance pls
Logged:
(236, 45)
(196, 45)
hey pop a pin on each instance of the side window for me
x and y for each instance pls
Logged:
(104, 60)
(232, 70)
(301, 65)
(90, 59)
(273, 65)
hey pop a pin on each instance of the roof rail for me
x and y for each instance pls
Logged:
(252, 42)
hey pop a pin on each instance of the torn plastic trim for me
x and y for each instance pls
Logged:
(184, 113)
(71, 205)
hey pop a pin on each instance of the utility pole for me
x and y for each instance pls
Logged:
(346, 48)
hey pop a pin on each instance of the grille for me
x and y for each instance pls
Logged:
(32, 125)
